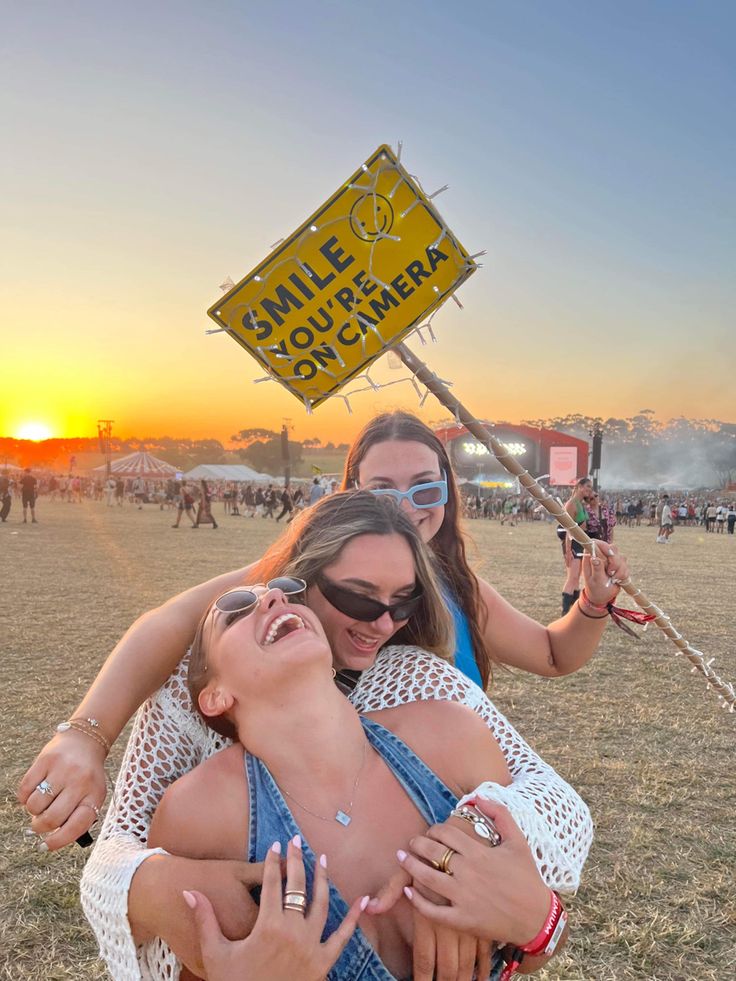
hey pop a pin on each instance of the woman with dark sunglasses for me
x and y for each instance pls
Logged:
(357, 544)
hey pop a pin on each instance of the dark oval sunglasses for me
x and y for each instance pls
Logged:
(242, 600)
(364, 608)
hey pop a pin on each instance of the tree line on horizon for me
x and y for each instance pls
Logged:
(638, 451)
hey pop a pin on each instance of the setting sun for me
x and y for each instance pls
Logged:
(33, 430)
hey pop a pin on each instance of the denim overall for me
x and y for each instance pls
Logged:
(271, 820)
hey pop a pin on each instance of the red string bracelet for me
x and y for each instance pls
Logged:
(619, 613)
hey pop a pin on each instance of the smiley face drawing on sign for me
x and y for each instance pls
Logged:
(371, 216)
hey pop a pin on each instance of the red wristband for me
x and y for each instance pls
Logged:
(548, 937)
(594, 606)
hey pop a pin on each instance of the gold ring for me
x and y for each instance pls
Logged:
(296, 907)
(86, 803)
(444, 865)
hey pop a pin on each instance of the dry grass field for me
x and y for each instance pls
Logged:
(634, 732)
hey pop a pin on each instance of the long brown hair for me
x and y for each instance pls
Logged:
(448, 545)
(317, 536)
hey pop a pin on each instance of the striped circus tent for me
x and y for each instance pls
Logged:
(140, 464)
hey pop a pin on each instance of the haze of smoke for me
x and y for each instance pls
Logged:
(686, 465)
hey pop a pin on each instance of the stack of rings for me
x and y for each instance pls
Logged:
(45, 788)
(482, 825)
(296, 900)
(444, 863)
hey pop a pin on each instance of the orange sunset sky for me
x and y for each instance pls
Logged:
(150, 155)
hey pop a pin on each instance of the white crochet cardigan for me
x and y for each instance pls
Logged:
(169, 739)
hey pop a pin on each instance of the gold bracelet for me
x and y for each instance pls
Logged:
(90, 727)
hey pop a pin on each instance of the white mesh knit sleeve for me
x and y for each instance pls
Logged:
(167, 740)
(555, 820)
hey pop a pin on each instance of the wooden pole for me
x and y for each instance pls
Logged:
(442, 393)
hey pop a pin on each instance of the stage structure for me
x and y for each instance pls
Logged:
(563, 457)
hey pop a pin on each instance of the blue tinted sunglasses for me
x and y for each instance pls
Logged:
(429, 495)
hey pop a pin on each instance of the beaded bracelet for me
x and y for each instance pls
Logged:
(90, 727)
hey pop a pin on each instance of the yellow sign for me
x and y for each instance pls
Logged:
(362, 272)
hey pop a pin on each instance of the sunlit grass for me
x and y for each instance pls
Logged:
(634, 732)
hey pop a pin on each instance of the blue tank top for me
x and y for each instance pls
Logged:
(271, 820)
(464, 654)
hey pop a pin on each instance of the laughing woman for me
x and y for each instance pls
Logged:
(370, 582)
(333, 783)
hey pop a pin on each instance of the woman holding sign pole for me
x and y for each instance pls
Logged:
(398, 455)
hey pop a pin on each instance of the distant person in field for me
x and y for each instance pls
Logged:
(185, 504)
(571, 549)
(110, 491)
(287, 504)
(28, 485)
(731, 517)
(6, 498)
(204, 508)
(316, 491)
(119, 491)
(298, 503)
(139, 491)
(666, 522)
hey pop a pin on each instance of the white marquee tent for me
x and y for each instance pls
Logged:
(230, 471)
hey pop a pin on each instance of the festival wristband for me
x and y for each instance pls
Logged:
(544, 944)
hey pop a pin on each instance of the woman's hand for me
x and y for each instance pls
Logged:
(495, 894)
(72, 764)
(602, 572)
(285, 943)
(442, 953)
(438, 952)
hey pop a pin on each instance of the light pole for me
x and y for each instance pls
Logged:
(596, 433)
(104, 434)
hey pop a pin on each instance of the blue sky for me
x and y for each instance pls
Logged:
(152, 149)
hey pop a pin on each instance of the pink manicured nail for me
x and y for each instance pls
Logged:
(276, 847)
(323, 861)
(401, 855)
(408, 893)
(297, 841)
(189, 899)
(364, 902)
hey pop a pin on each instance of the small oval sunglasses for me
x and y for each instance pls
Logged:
(432, 494)
(242, 600)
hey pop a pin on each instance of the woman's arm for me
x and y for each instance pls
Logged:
(140, 663)
(565, 645)
(167, 741)
(148, 652)
(553, 818)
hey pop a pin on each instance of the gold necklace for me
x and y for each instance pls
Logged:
(343, 817)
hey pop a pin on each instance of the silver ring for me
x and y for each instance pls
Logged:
(45, 788)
